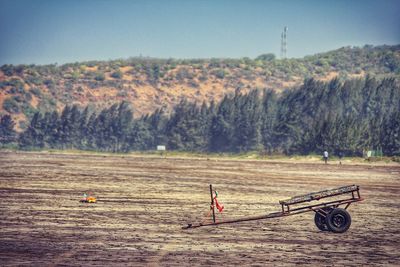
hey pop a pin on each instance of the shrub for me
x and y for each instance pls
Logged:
(193, 84)
(18, 98)
(11, 105)
(183, 73)
(21, 90)
(36, 91)
(3, 85)
(28, 96)
(28, 110)
(14, 82)
(100, 77)
(75, 75)
(122, 93)
(34, 80)
(203, 78)
(266, 57)
(7, 69)
(49, 82)
(219, 73)
(117, 74)
(46, 104)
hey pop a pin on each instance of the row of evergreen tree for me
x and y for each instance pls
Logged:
(347, 117)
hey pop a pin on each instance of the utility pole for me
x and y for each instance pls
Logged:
(284, 43)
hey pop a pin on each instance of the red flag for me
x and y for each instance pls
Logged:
(219, 207)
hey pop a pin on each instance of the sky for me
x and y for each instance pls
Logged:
(67, 31)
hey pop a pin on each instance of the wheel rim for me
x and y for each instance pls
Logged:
(339, 220)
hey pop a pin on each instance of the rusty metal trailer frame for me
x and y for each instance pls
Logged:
(320, 195)
(350, 195)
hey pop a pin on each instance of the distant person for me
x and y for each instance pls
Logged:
(341, 155)
(326, 155)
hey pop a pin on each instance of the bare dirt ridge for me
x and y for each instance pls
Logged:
(144, 202)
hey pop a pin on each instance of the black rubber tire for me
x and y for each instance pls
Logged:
(338, 220)
(320, 221)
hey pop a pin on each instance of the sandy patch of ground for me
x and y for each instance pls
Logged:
(144, 202)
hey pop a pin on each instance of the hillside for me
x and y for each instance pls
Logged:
(150, 83)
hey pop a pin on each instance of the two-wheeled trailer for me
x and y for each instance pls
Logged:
(329, 216)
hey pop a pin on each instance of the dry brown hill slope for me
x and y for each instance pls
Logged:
(150, 83)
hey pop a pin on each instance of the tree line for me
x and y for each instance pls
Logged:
(347, 117)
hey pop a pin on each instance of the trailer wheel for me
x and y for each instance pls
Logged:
(338, 220)
(320, 220)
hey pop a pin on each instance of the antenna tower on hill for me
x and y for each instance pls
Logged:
(284, 42)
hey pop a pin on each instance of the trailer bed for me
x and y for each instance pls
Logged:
(322, 209)
(318, 195)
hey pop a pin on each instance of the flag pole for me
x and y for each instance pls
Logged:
(212, 203)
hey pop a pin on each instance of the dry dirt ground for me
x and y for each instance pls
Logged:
(144, 202)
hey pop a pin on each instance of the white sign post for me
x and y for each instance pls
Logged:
(161, 149)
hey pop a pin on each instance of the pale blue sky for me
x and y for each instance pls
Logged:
(56, 31)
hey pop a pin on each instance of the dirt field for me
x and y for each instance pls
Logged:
(144, 202)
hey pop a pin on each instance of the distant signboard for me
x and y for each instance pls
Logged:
(161, 148)
(374, 153)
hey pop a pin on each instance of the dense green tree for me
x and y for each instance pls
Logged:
(156, 123)
(122, 125)
(140, 137)
(390, 134)
(222, 126)
(247, 126)
(33, 136)
(7, 132)
(185, 128)
(349, 117)
(268, 119)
